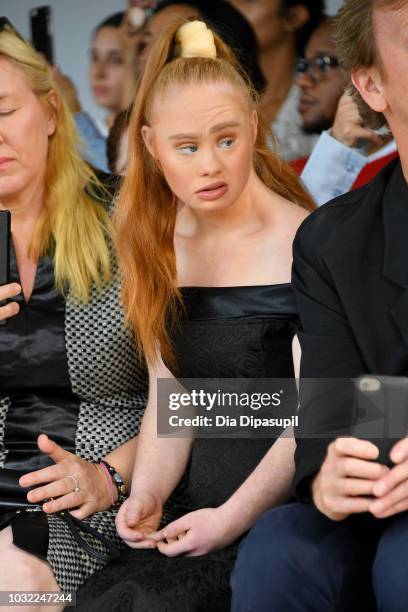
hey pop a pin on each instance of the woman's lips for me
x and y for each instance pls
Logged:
(5, 162)
(100, 90)
(213, 192)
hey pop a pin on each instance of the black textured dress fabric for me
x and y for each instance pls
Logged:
(228, 332)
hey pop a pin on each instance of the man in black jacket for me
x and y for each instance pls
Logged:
(344, 546)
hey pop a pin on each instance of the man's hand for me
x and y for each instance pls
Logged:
(392, 488)
(347, 478)
(348, 126)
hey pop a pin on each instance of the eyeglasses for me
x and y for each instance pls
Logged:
(5, 23)
(317, 67)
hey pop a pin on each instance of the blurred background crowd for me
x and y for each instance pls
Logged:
(287, 47)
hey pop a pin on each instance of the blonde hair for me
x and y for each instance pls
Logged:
(356, 46)
(147, 208)
(73, 224)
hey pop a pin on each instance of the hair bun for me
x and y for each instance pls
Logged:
(194, 39)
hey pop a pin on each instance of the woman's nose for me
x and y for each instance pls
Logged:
(99, 68)
(209, 163)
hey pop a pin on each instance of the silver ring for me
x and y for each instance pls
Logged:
(75, 482)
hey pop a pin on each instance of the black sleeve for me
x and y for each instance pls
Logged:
(330, 358)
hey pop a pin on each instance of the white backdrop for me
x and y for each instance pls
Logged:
(74, 21)
(332, 6)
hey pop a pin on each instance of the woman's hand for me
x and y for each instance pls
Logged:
(138, 517)
(12, 308)
(94, 492)
(197, 533)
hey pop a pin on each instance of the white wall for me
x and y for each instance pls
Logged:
(74, 21)
(332, 6)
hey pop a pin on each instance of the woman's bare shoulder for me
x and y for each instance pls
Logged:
(290, 215)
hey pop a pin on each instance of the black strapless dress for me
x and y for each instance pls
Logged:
(228, 332)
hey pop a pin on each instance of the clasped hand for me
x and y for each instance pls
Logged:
(59, 488)
(197, 533)
(350, 481)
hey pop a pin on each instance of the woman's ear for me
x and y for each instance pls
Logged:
(254, 125)
(53, 108)
(147, 135)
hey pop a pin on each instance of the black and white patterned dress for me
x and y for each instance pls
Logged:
(70, 371)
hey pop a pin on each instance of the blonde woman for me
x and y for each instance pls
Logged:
(68, 367)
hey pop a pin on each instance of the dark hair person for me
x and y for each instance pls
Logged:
(205, 222)
(107, 71)
(283, 28)
(68, 367)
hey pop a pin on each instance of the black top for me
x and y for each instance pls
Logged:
(34, 373)
(227, 332)
(232, 332)
(350, 276)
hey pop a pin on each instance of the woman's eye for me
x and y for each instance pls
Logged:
(187, 149)
(6, 113)
(116, 60)
(227, 143)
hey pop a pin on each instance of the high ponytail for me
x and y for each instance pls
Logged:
(147, 208)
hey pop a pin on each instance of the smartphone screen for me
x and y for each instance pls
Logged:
(5, 237)
(42, 31)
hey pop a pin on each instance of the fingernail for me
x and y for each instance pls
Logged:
(398, 456)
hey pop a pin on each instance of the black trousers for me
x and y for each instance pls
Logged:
(297, 560)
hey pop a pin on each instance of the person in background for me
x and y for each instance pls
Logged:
(349, 154)
(283, 28)
(107, 78)
(133, 22)
(320, 79)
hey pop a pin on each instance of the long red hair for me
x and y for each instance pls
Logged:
(147, 208)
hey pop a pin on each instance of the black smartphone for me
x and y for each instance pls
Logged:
(42, 31)
(381, 412)
(5, 243)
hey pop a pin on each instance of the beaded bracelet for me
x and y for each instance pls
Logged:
(118, 482)
(111, 486)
